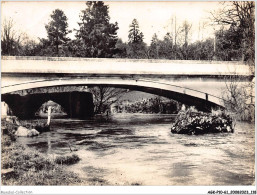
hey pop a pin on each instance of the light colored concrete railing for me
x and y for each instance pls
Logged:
(17, 64)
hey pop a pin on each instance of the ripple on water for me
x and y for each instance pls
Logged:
(140, 149)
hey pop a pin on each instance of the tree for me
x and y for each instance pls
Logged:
(201, 50)
(121, 49)
(105, 96)
(228, 44)
(135, 36)
(238, 38)
(239, 98)
(174, 33)
(57, 31)
(166, 47)
(10, 38)
(29, 47)
(97, 35)
(155, 46)
(239, 16)
(136, 46)
(185, 29)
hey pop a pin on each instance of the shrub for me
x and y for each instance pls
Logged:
(191, 121)
(67, 160)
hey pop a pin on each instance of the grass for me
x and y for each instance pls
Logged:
(23, 166)
(32, 168)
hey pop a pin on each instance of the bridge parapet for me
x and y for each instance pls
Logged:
(111, 66)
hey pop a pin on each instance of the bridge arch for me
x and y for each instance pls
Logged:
(201, 100)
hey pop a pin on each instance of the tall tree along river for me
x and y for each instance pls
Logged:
(139, 149)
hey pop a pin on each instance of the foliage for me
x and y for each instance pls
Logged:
(184, 32)
(136, 47)
(228, 44)
(105, 96)
(57, 31)
(137, 50)
(239, 16)
(201, 50)
(166, 47)
(30, 47)
(121, 49)
(8, 128)
(239, 99)
(192, 122)
(236, 42)
(135, 36)
(152, 105)
(154, 47)
(96, 35)
(10, 39)
(67, 160)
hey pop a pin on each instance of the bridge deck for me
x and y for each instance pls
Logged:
(70, 65)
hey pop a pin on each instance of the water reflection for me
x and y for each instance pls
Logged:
(139, 149)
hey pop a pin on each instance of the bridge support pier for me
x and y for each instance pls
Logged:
(76, 104)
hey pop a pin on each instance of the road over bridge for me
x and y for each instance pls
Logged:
(199, 83)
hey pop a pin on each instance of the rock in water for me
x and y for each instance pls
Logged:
(24, 132)
(33, 132)
(194, 123)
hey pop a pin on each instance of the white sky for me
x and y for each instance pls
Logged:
(153, 17)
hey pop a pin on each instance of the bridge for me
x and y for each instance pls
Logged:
(198, 83)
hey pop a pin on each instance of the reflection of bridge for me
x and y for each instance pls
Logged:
(191, 82)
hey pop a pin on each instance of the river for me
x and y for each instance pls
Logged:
(139, 149)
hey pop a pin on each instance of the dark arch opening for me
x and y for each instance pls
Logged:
(76, 104)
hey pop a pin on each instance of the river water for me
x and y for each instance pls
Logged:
(139, 149)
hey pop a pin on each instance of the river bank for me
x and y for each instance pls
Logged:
(21, 165)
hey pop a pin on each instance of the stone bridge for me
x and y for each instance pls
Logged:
(198, 83)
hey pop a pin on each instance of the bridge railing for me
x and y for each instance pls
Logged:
(46, 58)
(192, 92)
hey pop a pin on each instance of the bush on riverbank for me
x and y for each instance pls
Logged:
(11, 124)
(191, 122)
(8, 127)
(152, 105)
(23, 166)
(67, 160)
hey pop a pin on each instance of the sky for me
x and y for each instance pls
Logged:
(153, 17)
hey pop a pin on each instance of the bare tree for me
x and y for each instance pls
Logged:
(174, 32)
(239, 96)
(184, 32)
(105, 96)
(239, 15)
(10, 38)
